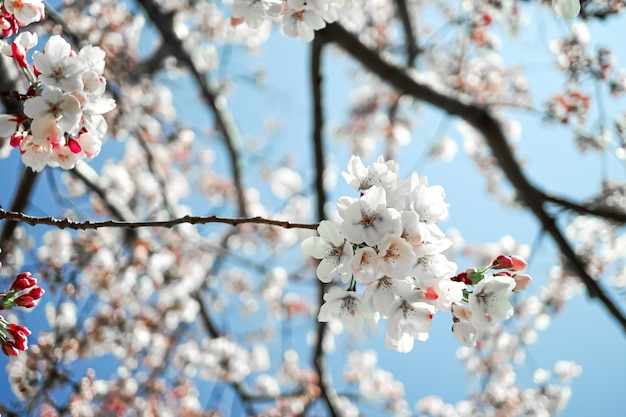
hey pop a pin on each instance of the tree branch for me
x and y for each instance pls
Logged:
(483, 121)
(66, 223)
(326, 388)
(607, 214)
(410, 43)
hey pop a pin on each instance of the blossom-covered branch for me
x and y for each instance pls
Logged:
(483, 121)
(213, 99)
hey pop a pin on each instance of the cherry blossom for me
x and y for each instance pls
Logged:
(25, 11)
(368, 219)
(490, 299)
(346, 306)
(333, 250)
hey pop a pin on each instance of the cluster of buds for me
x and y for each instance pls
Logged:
(17, 13)
(388, 240)
(64, 105)
(25, 293)
(488, 303)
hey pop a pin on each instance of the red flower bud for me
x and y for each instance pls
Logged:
(19, 328)
(36, 293)
(9, 349)
(25, 301)
(23, 281)
(502, 262)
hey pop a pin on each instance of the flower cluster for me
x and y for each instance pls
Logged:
(63, 106)
(17, 13)
(25, 293)
(300, 18)
(389, 241)
(489, 300)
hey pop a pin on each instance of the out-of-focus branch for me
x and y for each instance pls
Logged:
(9, 81)
(122, 224)
(410, 42)
(319, 361)
(483, 121)
(608, 214)
(224, 121)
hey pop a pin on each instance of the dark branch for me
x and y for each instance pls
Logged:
(326, 388)
(85, 225)
(410, 43)
(607, 214)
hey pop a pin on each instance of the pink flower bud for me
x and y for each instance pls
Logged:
(521, 282)
(519, 264)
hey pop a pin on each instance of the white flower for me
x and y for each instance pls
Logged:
(328, 9)
(490, 299)
(58, 66)
(302, 23)
(345, 306)
(408, 322)
(93, 109)
(412, 228)
(444, 292)
(365, 265)
(93, 57)
(381, 294)
(396, 257)
(409, 319)
(63, 108)
(430, 267)
(567, 9)
(89, 144)
(64, 157)
(35, 154)
(8, 125)
(25, 11)
(428, 202)
(333, 250)
(381, 173)
(45, 130)
(368, 219)
(254, 12)
(465, 333)
(22, 43)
